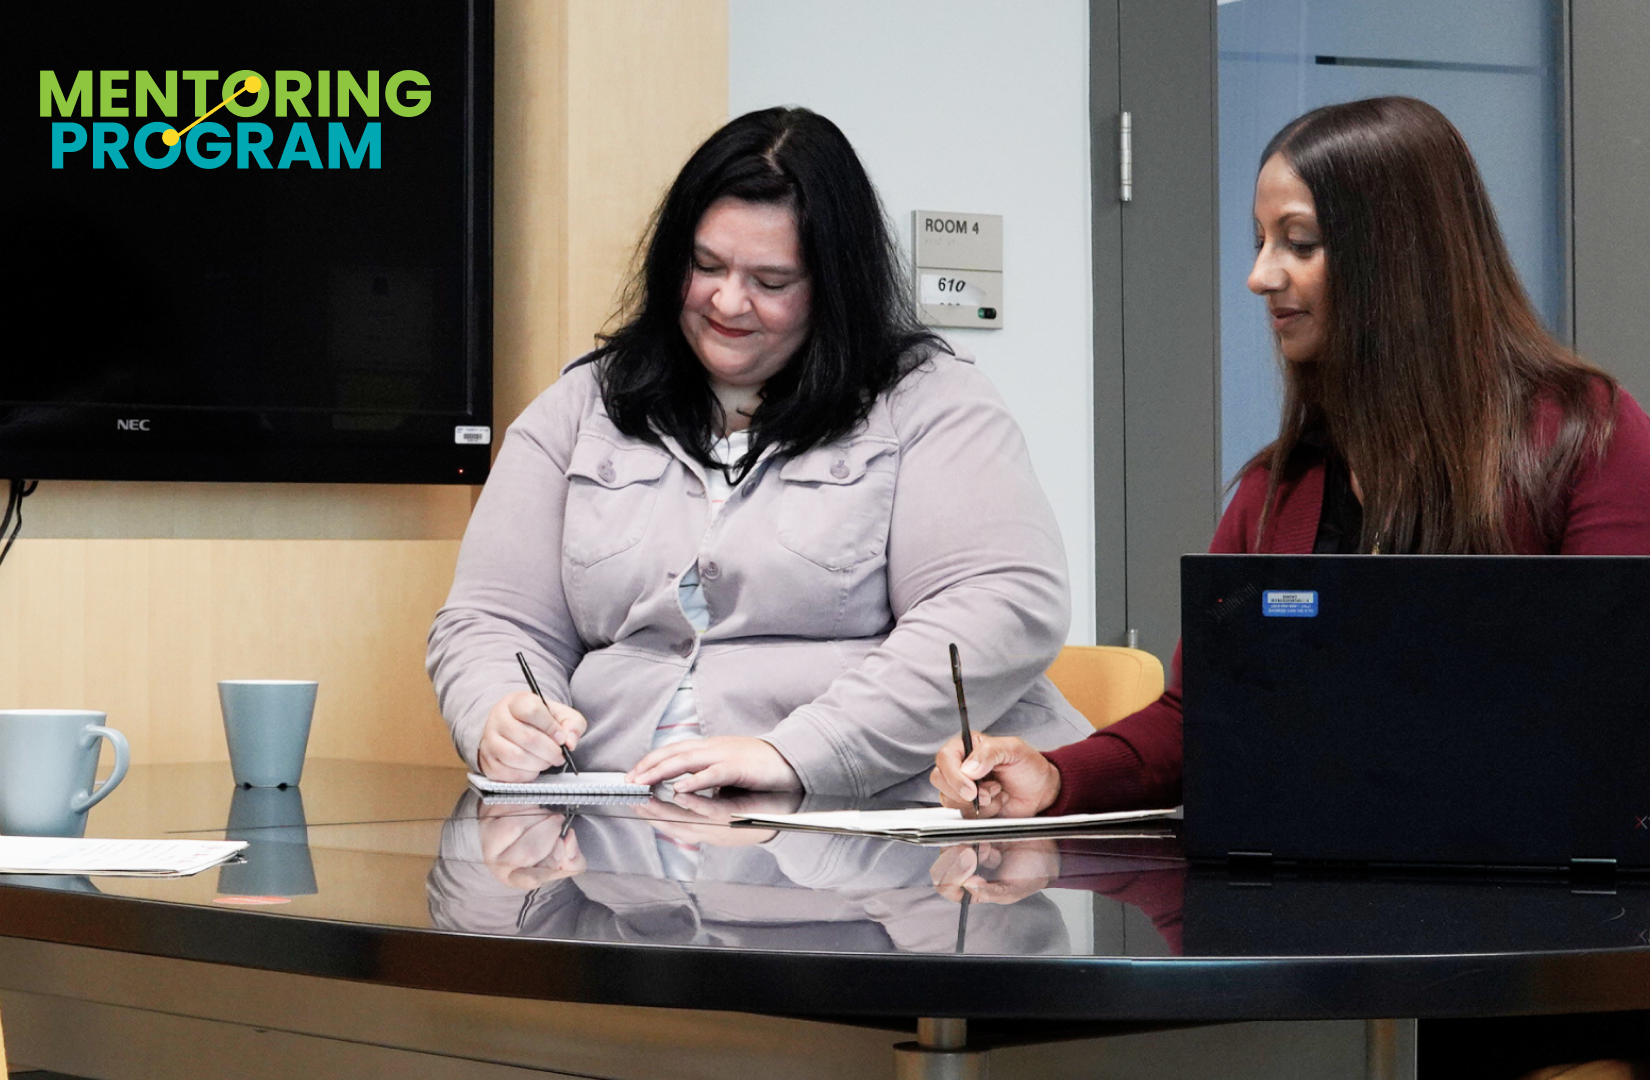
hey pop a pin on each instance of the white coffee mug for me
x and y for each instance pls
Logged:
(48, 766)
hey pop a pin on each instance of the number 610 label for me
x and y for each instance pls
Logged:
(950, 288)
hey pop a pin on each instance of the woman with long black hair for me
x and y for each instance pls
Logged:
(736, 540)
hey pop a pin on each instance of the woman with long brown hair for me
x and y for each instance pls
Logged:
(1426, 410)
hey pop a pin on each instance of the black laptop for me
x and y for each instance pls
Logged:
(1451, 710)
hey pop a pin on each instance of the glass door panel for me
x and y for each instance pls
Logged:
(1495, 69)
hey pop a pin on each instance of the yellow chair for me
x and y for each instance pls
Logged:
(1107, 682)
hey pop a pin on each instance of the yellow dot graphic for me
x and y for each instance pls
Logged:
(252, 85)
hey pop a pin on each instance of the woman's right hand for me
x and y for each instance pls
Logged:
(525, 847)
(522, 738)
(1011, 778)
(996, 873)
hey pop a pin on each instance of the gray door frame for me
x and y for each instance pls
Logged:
(1610, 186)
(1156, 310)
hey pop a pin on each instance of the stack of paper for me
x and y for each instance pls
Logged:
(938, 825)
(121, 858)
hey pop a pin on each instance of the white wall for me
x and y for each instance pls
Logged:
(975, 106)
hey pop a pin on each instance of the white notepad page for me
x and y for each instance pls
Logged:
(934, 823)
(589, 783)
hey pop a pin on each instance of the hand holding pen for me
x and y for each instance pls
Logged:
(533, 685)
(525, 734)
(991, 776)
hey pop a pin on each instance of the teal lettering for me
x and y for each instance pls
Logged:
(140, 146)
(66, 139)
(300, 146)
(108, 140)
(219, 149)
(368, 148)
(253, 140)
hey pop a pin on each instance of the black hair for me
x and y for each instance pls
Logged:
(863, 334)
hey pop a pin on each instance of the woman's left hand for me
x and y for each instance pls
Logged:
(694, 819)
(722, 761)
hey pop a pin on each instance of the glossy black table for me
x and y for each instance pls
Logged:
(400, 877)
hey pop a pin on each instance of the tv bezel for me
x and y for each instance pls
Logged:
(90, 441)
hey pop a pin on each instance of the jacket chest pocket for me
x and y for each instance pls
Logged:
(836, 502)
(611, 495)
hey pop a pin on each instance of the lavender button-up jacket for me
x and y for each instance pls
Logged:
(835, 581)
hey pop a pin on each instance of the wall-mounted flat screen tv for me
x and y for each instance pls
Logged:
(248, 241)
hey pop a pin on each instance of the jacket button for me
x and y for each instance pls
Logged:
(685, 648)
(839, 469)
(605, 471)
(712, 571)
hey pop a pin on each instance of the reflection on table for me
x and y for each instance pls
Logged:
(660, 874)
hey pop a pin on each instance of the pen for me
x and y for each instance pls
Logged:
(533, 684)
(962, 710)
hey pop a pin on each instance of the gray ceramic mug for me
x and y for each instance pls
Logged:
(276, 860)
(48, 766)
(266, 722)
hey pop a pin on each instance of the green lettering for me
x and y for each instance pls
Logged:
(166, 103)
(291, 87)
(419, 99)
(348, 88)
(51, 92)
(248, 104)
(201, 79)
(108, 93)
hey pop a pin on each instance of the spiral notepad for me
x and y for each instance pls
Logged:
(551, 786)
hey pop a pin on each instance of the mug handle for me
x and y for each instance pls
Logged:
(88, 735)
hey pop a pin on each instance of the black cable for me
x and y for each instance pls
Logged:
(20, 490)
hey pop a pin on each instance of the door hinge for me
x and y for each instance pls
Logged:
(1125, 157)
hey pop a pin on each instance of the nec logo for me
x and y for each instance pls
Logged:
(140, 425)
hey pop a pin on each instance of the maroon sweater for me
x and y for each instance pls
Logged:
(1136, 762)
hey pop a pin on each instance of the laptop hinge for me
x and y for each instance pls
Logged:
(1593, 872)
(1249, 867)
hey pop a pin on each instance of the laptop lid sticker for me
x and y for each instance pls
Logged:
(1284, 604)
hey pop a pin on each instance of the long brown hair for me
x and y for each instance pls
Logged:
(1433, 361)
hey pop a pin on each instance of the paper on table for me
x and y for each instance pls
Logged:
(557, 784)
(935, 824)
(123, 858)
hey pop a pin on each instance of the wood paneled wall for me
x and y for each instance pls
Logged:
(136, 598)
(144, 629)
(598, 104)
